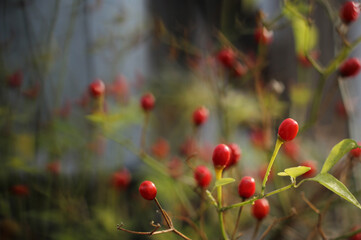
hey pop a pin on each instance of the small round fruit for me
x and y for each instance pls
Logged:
(227, 57)
(20, 190)
(349, 12)
(288, 129)
(350, 68)
(15, 80)
(53, 167)
(263, 36)
(148, 190)
(160, 148)
(239, 70)
(356, 152)
(312, 172)
(246, 187)
(236, 153)
(221, 155)
(260, 209)
(200, 116)
(121, 179)
(147, 102)
(97, 88)
(203, 176)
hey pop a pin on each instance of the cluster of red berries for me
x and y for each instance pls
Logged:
(228, 58)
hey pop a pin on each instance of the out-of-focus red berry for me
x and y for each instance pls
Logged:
(350, 12)
(148, 190)
(175, 167)
(15, 80)
(200, 116)
(119, 89)
(350, 68)
(160, 148)
(236, 153)
(356, 152)
(147, 102)
(20, 190)
(246, 187)
(188, 147)
(260, 208)
(53, 167)
(258, 138)
(121, 179)
(341, 109)
(263, 36)
(312, 165)
(239, 70)
(221, 156)
(226, 57)
(288, 129)
(291, 150)
(97, 88)
(203, 176)
(357, 236)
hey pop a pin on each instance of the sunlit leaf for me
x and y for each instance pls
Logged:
(337, 152)
(330, 182)
(294, 171)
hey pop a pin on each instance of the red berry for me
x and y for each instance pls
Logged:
(203, 176)
(53, 167)
(147, 102)
(188, 147)
(260, 208)
(221, 155)
(312, 172)
(258, 138)
(351, 67)
(148, 190)
(15, 79)
(291, 150)
(160, 149)
(349, 12)
(263, 36)
(239, 69)
(97, 88)
(246, 187)
(288, 129)
(227, 57)
(121, 179)
(20, 190)
(356, 152)
(357, 236)
(235, 154)
(200, 116)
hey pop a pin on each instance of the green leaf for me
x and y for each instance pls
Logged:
(330, 182)
(224, 181)
(337, 152)
(294, 171)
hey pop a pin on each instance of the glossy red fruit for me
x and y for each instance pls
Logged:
(291, 150)
(288, 129)
(236, 153)
(357, 236)
(15, 80)
(148, 190)
(246, 187)
(121, 179)
(147, 102)
(349, 12)
(221, 155)
(312, 165)
(356, 152)
(263, 36)
(226, 57)
(260, 208)
(200, 116)
(97, 88)
(351, 67)
(20, 190)
(203, 176)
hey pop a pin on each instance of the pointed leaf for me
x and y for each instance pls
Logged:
(282, 174)
(223, 181)
(337, 152)
(297, 171)
(330, 182)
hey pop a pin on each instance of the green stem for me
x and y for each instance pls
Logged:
(279, 143)
(220, 213)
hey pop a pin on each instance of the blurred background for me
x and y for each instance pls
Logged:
(68, 173)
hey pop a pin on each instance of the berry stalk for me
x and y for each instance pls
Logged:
(279, 143)
(219, 195)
